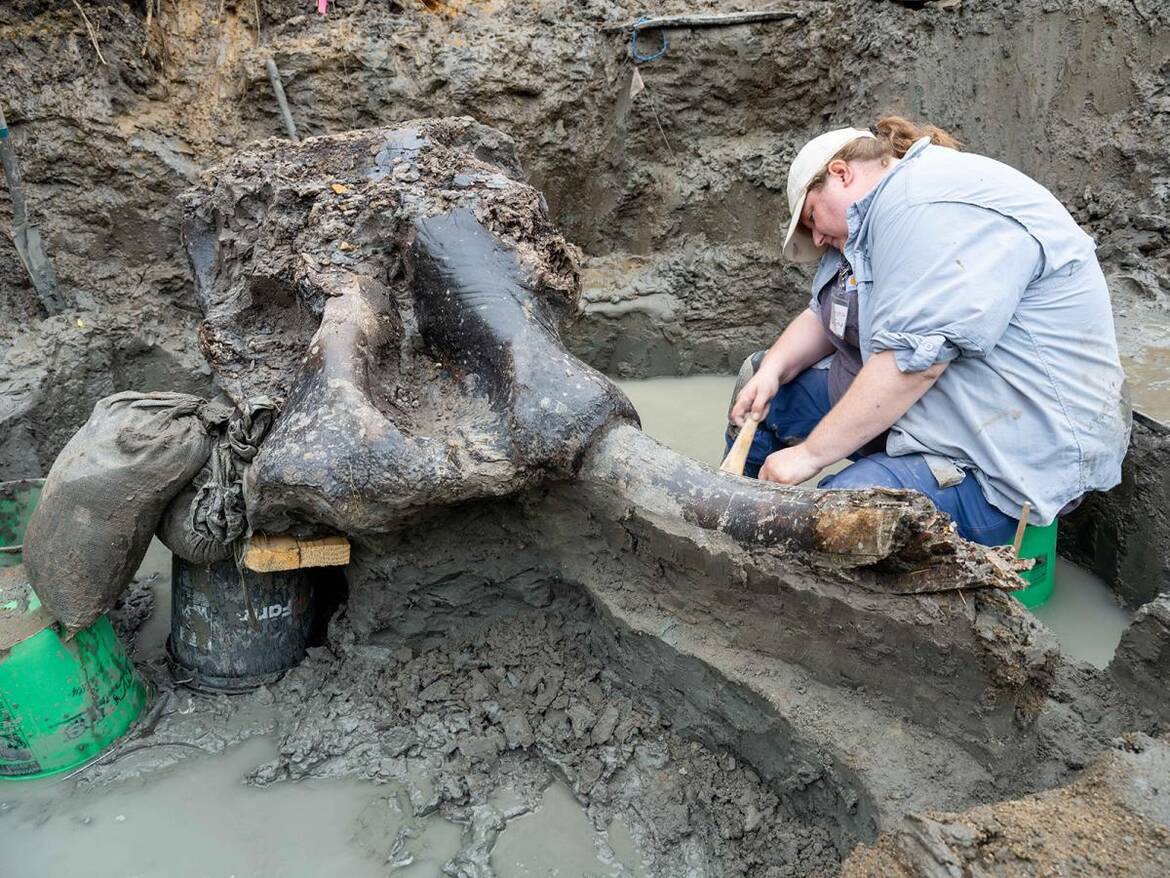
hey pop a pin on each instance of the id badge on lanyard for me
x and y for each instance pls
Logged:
(838, 314)
(839, 307)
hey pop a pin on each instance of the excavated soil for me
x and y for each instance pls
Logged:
(1101, 825)
(675, 196)
(519, 702)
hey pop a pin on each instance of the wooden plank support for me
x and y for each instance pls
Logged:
(270, 553)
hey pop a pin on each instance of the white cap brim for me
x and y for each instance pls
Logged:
(798, 242)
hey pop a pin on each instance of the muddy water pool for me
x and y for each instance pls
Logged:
(689, 415)
(199, 819)
(196, 820)
(1149, 381)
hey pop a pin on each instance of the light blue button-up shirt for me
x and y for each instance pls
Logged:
(964, 260)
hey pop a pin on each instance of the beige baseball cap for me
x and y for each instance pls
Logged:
(812, 158)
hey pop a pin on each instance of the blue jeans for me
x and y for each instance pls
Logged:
(799, 406)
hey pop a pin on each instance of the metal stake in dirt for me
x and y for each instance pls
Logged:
(27, 238)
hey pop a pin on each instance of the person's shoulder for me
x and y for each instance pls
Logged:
(934, 186)
(941, 174)
(830, 260)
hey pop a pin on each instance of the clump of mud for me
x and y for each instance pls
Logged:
(1109, 822)
(516, 704)
(134, 607)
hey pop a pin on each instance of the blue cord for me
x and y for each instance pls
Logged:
(637, 56)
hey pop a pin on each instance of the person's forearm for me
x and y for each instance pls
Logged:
(802, 344)
(879, 395)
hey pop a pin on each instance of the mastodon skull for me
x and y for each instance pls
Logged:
(401, 292)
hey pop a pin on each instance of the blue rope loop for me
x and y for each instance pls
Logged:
(637, 56)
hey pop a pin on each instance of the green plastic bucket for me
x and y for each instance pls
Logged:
(17, 501)
(62, 702)
(1038, 543)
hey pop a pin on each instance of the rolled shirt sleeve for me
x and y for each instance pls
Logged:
(916, 353)
(947, 278)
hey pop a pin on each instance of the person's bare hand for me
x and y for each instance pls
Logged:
(789, 466)
(755, 398)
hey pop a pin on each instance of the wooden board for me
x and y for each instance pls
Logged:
(269, 553)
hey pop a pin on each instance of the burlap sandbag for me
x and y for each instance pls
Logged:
(208, 518)
(191, 530)
(104, 496)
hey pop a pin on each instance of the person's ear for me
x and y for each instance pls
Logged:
(841, 168)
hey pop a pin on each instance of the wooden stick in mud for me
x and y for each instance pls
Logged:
(737, 456)
(281, 100)
(92, 33)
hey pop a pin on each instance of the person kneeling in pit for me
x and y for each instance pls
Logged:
(970, 330)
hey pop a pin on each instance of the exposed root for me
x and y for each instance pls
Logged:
(92, 34)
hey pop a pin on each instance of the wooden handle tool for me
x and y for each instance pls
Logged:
(1020, 528)
(737, 456)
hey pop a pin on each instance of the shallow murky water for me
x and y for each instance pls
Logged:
(557, 840)
(199, 819)
(1084, 615)
(686, 414)
(689, 415)
(1149, 381)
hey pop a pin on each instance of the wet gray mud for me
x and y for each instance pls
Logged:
(523, 701)
(147, 826)
(485, 725)
(475, 688)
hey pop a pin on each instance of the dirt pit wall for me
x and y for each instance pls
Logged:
(675, 193)
(1123, 535)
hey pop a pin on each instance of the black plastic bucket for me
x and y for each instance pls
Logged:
(233, 630)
